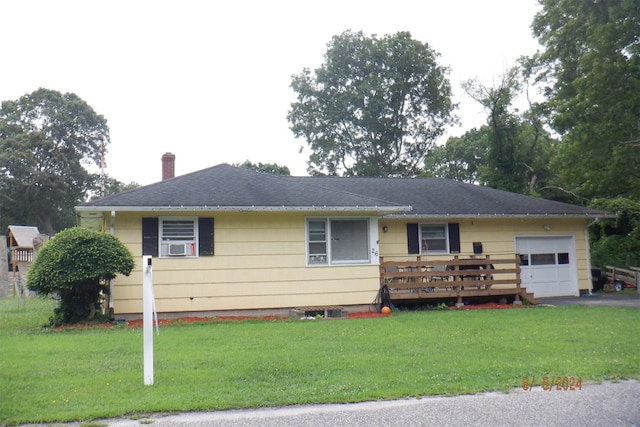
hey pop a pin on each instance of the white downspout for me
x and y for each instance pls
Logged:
(112, 231)
(587, 245)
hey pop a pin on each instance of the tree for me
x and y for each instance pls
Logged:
(503, 123)
(74, 266)
(518, 149)
(590, 73)
(373, 108)
(46, 141)
(271, 168)
(111, 186)
(460, 158)
(616, 241)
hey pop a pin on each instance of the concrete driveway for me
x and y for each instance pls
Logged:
(616, 299)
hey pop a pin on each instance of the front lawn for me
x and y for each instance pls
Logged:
(48, 376)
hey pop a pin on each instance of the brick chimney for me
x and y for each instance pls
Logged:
(168, 166)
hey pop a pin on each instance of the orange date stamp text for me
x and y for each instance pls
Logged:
(551, 383)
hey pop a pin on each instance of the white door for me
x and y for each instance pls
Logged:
(548, 266)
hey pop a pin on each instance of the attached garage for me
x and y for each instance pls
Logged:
(548, 265)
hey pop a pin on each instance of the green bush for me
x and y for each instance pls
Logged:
(75, 266)
(620, 251)
(616, 241)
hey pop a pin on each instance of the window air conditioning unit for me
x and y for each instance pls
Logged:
(179, 249)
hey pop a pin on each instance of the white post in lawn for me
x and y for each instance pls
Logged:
(147, 318)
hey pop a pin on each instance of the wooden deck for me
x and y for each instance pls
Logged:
(456, 278)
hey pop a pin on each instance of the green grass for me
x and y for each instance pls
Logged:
(49, 376)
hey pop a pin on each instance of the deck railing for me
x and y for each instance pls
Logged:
(21, 255)
(457, 277)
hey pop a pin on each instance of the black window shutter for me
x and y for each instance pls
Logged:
(150, 236)
(412, 239)
(205, 236)
(454, 238)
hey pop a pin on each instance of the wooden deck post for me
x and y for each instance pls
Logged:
(458, 286)
(517, 300)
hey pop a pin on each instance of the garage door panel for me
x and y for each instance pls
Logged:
(537, 246)
(548, 268)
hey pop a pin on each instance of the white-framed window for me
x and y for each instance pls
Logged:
(178, 237)
(338, 241)
(434, 238)
(560, 258)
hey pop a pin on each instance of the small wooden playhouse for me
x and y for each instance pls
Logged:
(20, 242)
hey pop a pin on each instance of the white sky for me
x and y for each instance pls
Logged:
(209, 81)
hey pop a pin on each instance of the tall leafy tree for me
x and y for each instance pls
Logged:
(501, 165)
(271, 168)
(110, 185)
(517, 148)
(466, 158)
(374, 107)
(590, 71)
(113, 186)
(47, 139)
(460, 158)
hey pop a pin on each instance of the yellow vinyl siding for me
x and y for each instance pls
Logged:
(496, 235)
(202, 290)
(234, 302)
(217, 296)
(259, 263)
(252, 275)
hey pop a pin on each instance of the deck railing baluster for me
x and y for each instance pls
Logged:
(454, 278)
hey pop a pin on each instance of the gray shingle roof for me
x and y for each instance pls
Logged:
(439, 197)
(225, 187)
(232, 188)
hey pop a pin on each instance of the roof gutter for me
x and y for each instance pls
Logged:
(385, 210)
(497, 215)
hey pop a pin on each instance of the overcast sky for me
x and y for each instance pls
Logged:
(209, 81)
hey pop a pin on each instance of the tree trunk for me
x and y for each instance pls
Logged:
(44, 221)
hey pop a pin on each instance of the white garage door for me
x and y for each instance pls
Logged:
(548, 265)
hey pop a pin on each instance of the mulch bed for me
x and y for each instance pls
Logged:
(163, 322)
(137, 323)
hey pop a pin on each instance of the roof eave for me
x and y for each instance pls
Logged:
(383, 210)
(499, 215)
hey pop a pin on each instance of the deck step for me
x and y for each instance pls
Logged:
(529, 297)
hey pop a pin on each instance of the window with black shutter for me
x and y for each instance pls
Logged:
(150, 236)
(454, 238)
(433, 238)
(205, 236)
(413, 239)
(176, 237)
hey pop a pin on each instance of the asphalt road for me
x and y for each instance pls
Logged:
(607, 404)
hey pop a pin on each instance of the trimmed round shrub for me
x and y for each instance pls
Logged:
(75, 267)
